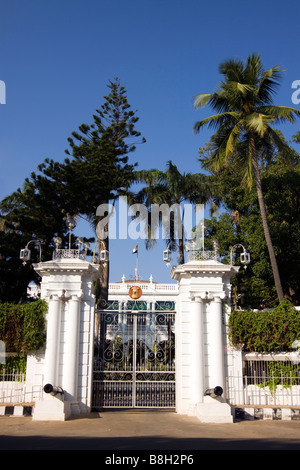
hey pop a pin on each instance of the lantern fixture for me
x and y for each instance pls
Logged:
(104, 256)
(57, 242)
(25, 253)
(244, 257)
(167, 256)
(86, 246)
(79, 242)
(70, 223)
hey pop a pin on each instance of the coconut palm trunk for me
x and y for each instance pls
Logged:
(264, 217)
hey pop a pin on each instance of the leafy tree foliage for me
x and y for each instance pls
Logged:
(244, 128)
(265, 331)
(173, 188)
(241, 223)
(34, 213)
(96, 168)
(22, 327)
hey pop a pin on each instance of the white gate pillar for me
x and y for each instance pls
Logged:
(52, 342)
(197, 350)
(70, 377)
(216, 343)
(203, 284)
(67, 286)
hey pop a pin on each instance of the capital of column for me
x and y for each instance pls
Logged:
(197, 296)
(54, 295)
(64, 295)
(76, 296)
(218, 297)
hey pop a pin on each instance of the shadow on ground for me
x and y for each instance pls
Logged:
(141, 444)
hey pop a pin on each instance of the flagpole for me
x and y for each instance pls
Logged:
(137, 264)
(136, 252)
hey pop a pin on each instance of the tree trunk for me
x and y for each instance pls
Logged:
(181, 251)
(101, 292)
(104, 275)
(263, 213)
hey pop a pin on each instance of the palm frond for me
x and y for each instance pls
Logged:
(237, 87)
(268, 83)
(280, 113)
(279, 142)
(201, 100)
(232, 69)
(233, 138)
(217, 120)
(258, 122)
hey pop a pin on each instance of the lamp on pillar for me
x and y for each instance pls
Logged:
(25, 253)
(70, 223)
(167, 256)
(244, 257)
(104, 253)
(86, 247)
(79, 242)
(57, 242)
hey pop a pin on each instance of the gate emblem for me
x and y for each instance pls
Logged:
(135, 292)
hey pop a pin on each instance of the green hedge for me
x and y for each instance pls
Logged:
(265, 331)
(14, 363)
(22, 327)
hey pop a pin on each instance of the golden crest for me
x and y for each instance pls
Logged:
(135, 292)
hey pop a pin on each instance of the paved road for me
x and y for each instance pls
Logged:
(135, 431)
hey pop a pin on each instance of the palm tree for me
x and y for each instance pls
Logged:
(172, 188)
(245, 112)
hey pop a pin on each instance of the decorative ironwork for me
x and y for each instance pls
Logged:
(137, 305)
(201, 255)
(68, 253)
(135, 366)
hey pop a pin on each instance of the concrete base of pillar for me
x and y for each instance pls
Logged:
(213, 411)
(51, 409)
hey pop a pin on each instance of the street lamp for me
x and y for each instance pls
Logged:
(70, 223)
(25, 253)
(86, 247)
(79, 242)
(167, 256)
(57, 242)
(104, 254)
(244, 257)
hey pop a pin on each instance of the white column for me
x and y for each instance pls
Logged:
(52, 342)
(72, 348)
(216, 369)
(197, 351)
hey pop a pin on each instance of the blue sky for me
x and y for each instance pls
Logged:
(58, 56)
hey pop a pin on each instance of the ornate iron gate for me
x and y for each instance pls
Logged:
(135, 367)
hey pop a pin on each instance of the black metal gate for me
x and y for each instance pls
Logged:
(135, 366)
